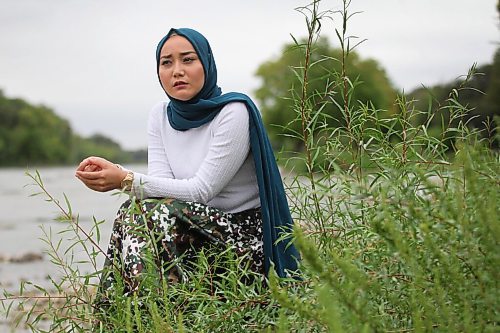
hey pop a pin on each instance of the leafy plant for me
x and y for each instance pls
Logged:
(397, 233)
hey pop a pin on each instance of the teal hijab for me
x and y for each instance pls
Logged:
(202, 108)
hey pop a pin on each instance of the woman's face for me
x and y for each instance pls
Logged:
(180, 69)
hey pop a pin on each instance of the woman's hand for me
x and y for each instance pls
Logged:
(100, 174)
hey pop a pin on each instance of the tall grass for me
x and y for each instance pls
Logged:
(399, 227)
(398, 230)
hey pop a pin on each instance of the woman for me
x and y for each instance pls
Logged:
(210, 158)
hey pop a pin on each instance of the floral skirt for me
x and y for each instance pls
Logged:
(167, 235)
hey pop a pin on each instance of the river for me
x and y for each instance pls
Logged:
(23, 254)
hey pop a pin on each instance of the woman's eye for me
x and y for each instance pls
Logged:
(165, 62)
(188, 59)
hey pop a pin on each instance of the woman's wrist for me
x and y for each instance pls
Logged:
(126, 178)
(127, 181)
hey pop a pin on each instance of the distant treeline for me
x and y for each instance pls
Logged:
(480, 94)
(475, 97)
(35, 135)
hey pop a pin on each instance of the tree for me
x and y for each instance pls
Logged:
(35, 134)
(280, 86)
(32, 134)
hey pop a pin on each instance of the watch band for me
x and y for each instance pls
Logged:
(126, 183)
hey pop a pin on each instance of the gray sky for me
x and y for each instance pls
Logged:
(92, 61)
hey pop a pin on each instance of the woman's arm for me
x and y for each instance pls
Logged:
(228, 150)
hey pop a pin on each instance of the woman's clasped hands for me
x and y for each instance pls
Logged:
(100, 174)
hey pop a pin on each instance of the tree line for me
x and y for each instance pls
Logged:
(478, 93)
(36, 135)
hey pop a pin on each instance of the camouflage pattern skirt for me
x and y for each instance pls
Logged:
(171, 233)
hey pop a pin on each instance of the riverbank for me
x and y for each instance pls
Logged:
(27, 219)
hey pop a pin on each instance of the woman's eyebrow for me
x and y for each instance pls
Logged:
(183, 54)
(169, 55)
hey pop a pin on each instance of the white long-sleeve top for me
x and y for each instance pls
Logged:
(211, 164)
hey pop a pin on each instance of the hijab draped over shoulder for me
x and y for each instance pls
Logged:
(202, 108)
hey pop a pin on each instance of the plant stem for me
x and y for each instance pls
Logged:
(305, 114)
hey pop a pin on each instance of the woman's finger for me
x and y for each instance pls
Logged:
(96, 161)
(92, 168)
(83, 164)
(101, 162)
(96, 184)
(89, 175)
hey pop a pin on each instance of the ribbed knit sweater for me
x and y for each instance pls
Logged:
(211, 164)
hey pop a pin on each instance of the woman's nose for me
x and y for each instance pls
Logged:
(178, 69)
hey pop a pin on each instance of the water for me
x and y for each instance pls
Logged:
(22, 216)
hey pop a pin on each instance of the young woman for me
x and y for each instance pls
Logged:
(212, 177)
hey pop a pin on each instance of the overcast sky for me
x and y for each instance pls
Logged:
(92, 61)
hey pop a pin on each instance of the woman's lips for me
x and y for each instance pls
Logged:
(180, 84)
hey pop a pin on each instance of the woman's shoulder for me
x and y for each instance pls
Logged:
(235, 109)
(233, 112)
(159, 106)
(238, 106)
(158, 109)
